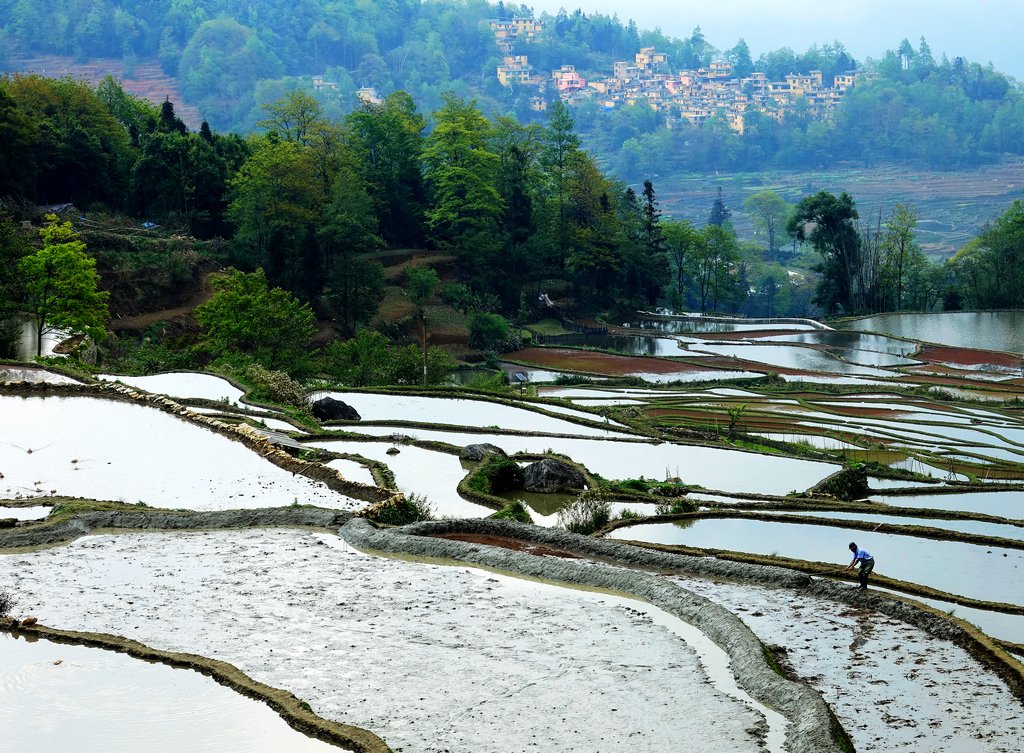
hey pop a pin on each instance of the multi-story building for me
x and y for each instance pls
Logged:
(693, 96)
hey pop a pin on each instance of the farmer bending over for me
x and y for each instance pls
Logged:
(867, 564)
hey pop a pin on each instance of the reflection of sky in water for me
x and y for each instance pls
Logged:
(111, 450)
(980, 572)
(991, 330)
(458, 412)
(60, 697)
(710, 467)
(791, 357)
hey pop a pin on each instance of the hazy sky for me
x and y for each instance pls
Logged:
(979, 30)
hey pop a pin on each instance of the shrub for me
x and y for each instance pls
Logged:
(6, 603)
(497, 474)
(585, 514)
(514, 511)
(675, 507)
(401, 510)
(276, 386)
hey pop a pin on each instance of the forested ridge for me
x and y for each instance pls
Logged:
(377, 227)
(233, 58)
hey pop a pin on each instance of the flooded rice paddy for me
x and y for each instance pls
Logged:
(991, 330)
(981, 572)
(375, 634)
(110, 450)
(183, 385)
(891, 686)
(59, 697)
(707, 466)
(481, 413)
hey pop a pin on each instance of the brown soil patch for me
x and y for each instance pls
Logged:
(517, 545)
(141, 321)
(850, 410)
(603, 363)
(968, 356)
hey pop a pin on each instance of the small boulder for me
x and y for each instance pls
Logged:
(329, 409)
(549, 476)
(29, 621)
(479, 451)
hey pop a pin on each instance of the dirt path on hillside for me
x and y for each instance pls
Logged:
(141, 321)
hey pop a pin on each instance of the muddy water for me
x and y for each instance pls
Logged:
(710, 467)
(981, 572)
(434, 475)
(110, 450)
(430, 657)
(25, 513)
(183, 385)
(457, 412)
(56, 697)
(699, 325)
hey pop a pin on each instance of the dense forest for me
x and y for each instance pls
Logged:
(233, 58)
(306, 211)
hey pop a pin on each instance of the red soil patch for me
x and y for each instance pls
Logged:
(968, 356)
(596, 362)
(850, 410)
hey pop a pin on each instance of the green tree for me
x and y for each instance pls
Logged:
(248, 317)
(829, 223)
(487, 331)
(462, 180)
(61, 286)
(769, 212)
(421, 283)
(274, 203)
(681, 241)
(713, 264)
(361, 361)
(559, 159)
(388, 142)
(720, 213)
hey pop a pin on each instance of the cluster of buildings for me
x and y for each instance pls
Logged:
(686, 95)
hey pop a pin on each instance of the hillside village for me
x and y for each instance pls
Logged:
(685, 95)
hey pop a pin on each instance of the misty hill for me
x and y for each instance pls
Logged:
(231, 58)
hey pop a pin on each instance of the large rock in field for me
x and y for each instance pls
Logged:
(329, 409)
(480, 451)
(550, 476)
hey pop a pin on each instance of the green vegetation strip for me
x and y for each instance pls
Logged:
(295, 712)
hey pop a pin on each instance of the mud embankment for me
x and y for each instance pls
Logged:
(811, 724)
(68, 529)
(295, 712)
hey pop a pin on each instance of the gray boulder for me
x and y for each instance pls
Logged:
(479, 451)
(329, 409)
(550, 476)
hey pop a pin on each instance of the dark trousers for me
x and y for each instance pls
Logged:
(866, 566)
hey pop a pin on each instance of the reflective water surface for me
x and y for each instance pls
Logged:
(992, 330)
(56, 697)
